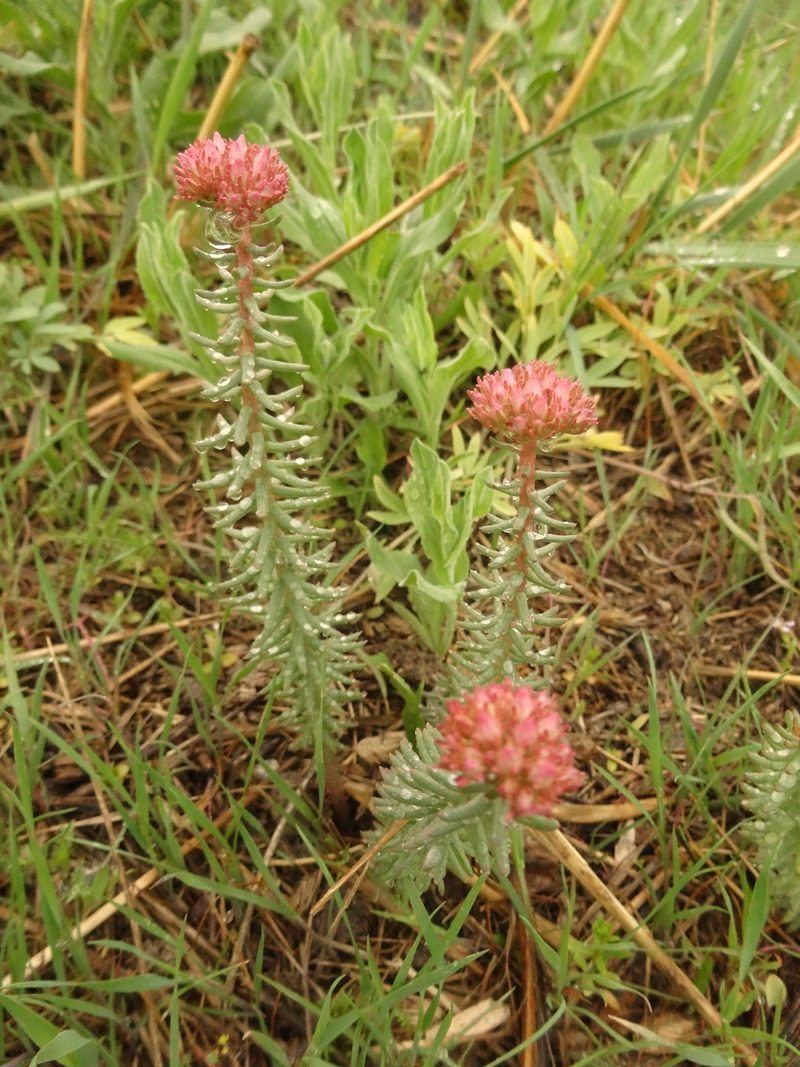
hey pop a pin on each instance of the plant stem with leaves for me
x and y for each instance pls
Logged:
(528, 405)
(773, 797)
(281, 565)
(502, 744)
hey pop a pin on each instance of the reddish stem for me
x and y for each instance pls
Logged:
(245, 276)
(527, 474)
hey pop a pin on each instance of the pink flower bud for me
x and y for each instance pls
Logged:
(510, 738)
(531, 402)
(243, 180)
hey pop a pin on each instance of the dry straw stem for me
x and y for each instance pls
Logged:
(530, 994)
(82, 90)
(266, 859)
(677, 427)
(229, 81)
(516, 107)
(656, 350)
(139, 414)
(41, 655)
(604, 813)
(41, 160)
(519, 11)
(751, 186)
(73, 206)
(130, 893)
(103, 408)
(376, 227)
(562, 849)
(531, 984)
(144, 29)
(361, 864)
(753, 675)
(581, 80)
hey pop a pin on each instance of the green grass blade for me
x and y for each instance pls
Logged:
(756, 913)
(571, 124)
(719, 76)
(48, 197)
(180, 83)
(742, 255)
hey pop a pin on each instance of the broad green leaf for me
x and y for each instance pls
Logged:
(419, 337)
(428, 497)
(154, 357)
(165, 273)
(449, 594)
(448, 374)
(392, 565)
(224, 32)
(428, 235)
(327, 79)
(648, 175)
(397, 511)
(23, 66)
(70, 1049)
(37, 1029)
(775, 991)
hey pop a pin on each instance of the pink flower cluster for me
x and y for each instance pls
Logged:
(512, 739)
(243, 180)
(531, 402)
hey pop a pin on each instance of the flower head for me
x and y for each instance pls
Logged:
(243, 180)
(512, 739)
(530, 402)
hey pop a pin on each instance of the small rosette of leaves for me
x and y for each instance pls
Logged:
(448, 827)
